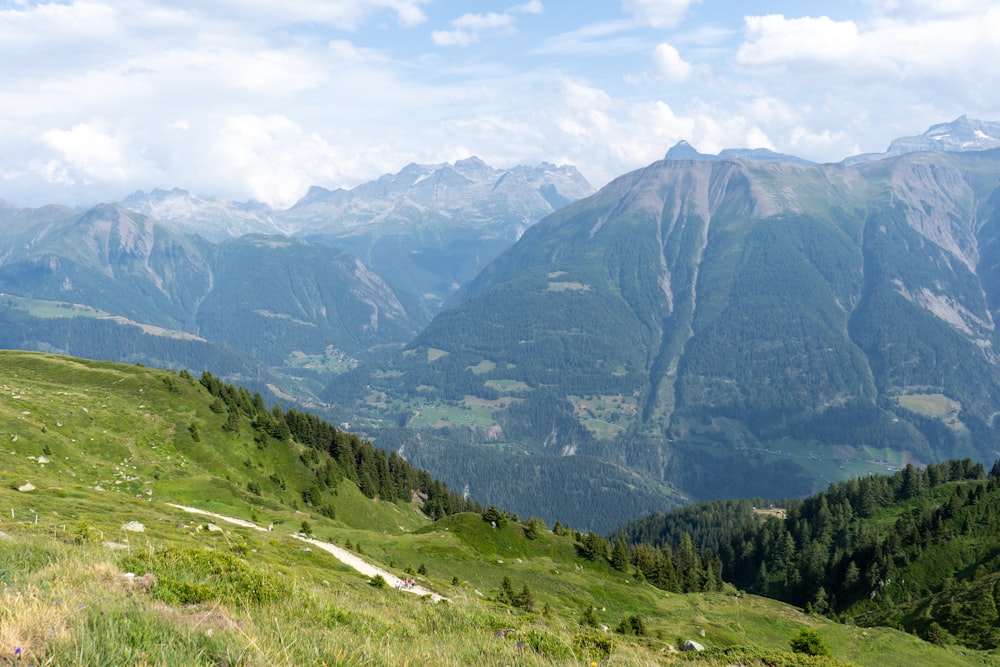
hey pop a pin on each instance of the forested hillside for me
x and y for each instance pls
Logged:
(916, 550)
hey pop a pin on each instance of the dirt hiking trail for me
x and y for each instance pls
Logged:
(343, 555)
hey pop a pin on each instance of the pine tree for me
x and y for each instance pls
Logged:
(620, 555)
(507, 594)
(525, 600)
(688, 565)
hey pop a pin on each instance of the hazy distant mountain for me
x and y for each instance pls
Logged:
(427, 229)
(430, 229)
(213, 219)
(468, 194)
(682, 150)
(277, 301)
(961, 134)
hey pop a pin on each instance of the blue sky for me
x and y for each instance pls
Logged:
(255, 99)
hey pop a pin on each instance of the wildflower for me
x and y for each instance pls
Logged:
(17, 652)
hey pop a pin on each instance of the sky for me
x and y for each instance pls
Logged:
(260, 99)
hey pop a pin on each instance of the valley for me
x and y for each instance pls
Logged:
(737, 325)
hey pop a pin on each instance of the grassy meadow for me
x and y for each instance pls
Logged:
(96, 446)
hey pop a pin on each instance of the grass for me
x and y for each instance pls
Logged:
(244, 597)
(436, 415)
(68, 603)
(508, 386)
(50, 309)
(433, 354)
(483, 367)
(605, 416)
(331, 362)
(828, 464)
(935, 406)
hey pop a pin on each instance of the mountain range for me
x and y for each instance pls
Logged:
(112, 283)
(724, 327)
(426, 230)
(741, 324)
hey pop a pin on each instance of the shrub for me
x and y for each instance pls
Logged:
(547, 645)
(631, 625)
(534, 528)
(593, 647)
(188, 576)
(810, 642)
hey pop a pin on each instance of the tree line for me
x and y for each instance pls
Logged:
(865, 549)
(376, 472)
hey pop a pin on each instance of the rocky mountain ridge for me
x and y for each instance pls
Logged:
(427, 229)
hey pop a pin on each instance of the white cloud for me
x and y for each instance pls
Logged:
(343, 14)
(669, 65)
(806, 141)
(776, 39)
(658, 13)
(478, 22)
(251, 98)
(956, 46)
(468, 27)
(923, 9)
(531, 7)
(454, 37)
(90, 152)
(273, 155)
(606, 38)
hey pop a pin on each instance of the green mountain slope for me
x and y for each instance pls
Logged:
(290, 311)
(695, 319)
(105, 445)
(917, 550)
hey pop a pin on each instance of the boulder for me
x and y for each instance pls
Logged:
(134, 527)
(691, 645)
(212, 528)
(27, 486)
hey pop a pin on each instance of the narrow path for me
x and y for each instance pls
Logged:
(343, 555)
